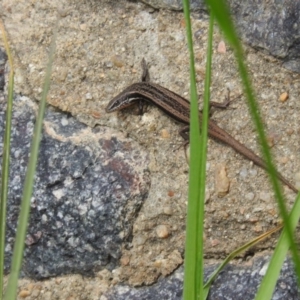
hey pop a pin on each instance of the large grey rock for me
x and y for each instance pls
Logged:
(88, 190)
(271, 26)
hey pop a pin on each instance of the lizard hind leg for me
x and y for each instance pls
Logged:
(145, 75)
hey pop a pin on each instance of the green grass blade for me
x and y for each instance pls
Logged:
(222, 14)
(193, 265)
(28, 184)
(235, 253)
(203, 145)
(193, 276)
(5, 159)
(268, 283)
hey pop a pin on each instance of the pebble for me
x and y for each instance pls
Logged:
(283, 97)
(168, 210)
(162, 231)
(165, 134)
(83, 27)
(214, 242)
(24, 294)
(270, 140)
(283, 160)
(95, 114)
(283, 285)
(221, 180)
(171, 193)
(125, 260)
(88, 96)
(117, 61)
(158, 263)
(258, 228)
(264, 269)
(140, 240)
(221, 47)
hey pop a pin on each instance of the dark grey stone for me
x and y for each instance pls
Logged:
(272, 26)
(86, 194)
(3, 58)
(233, 283)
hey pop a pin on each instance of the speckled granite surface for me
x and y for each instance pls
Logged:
(87, 193)
(233, 283)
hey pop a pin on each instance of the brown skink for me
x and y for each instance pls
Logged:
(179, 108)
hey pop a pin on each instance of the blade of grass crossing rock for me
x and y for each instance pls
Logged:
(193, 265)
(193, 278)
(269, 281)
(222, 15)
(204, 135)
(29, 181)
(5, 158)
(236, 252)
